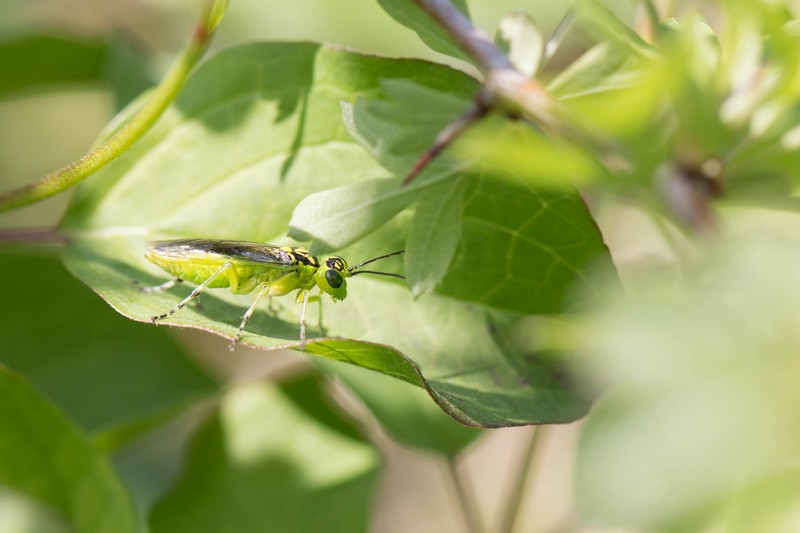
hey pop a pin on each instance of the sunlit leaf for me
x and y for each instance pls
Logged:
(338, 217)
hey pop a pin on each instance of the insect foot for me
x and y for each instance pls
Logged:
(156, 288)
(154, 319)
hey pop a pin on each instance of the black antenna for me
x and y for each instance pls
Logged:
(378, 273)
(351, 269)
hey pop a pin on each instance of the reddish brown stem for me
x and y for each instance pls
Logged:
(450, 133)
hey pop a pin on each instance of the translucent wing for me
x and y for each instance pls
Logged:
(199, 249)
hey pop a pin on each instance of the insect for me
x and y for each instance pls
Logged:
(245, 267)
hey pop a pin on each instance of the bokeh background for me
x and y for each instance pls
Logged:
(45, 125)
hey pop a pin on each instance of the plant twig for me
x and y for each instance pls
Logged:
(161, 97)
(555, 40)
(514, 502)
(476, 111)
(652, 13)
(688, 191)
(465, 500)
(506, 88)
(42, 235)
(474, 42)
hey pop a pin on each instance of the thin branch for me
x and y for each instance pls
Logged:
(159, 100)
(688, 192)
(465, 500)
(473, 41)
(514, 503)
(450, 133)
(652, 13)
(506, 88)
(555, 40)
(40, 235)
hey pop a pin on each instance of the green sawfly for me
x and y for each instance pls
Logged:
(244, 267)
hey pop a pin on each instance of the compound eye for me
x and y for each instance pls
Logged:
(334, 279)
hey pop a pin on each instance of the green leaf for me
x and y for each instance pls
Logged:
(216, 14)
(518, 151)
(21, 513)
(434, 235)
(121, 374)
(466, 373)
(525, 250)
(410, 15)
(262, 463)
(600, 20)
(256, 130)
(338, 217)
(37, 61)
(127, 73)
(405, 412)
(597, 70)
(395, 131)
(398, 129)
(769, 505)
(45, 457)
(384, 359)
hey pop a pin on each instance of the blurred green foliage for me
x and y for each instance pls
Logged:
(514, 312)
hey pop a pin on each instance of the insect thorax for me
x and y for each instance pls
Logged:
(302, 256)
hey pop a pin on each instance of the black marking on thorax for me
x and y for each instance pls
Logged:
(301, 255)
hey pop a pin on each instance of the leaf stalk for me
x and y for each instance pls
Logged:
(158, 101)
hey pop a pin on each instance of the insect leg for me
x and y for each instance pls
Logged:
(303, 321)
(160, 288)
(247, 315)
(316, 298)
(321, 327)
(197, 290)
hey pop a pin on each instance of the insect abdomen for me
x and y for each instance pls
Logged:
(197, 269)
(192, 270)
